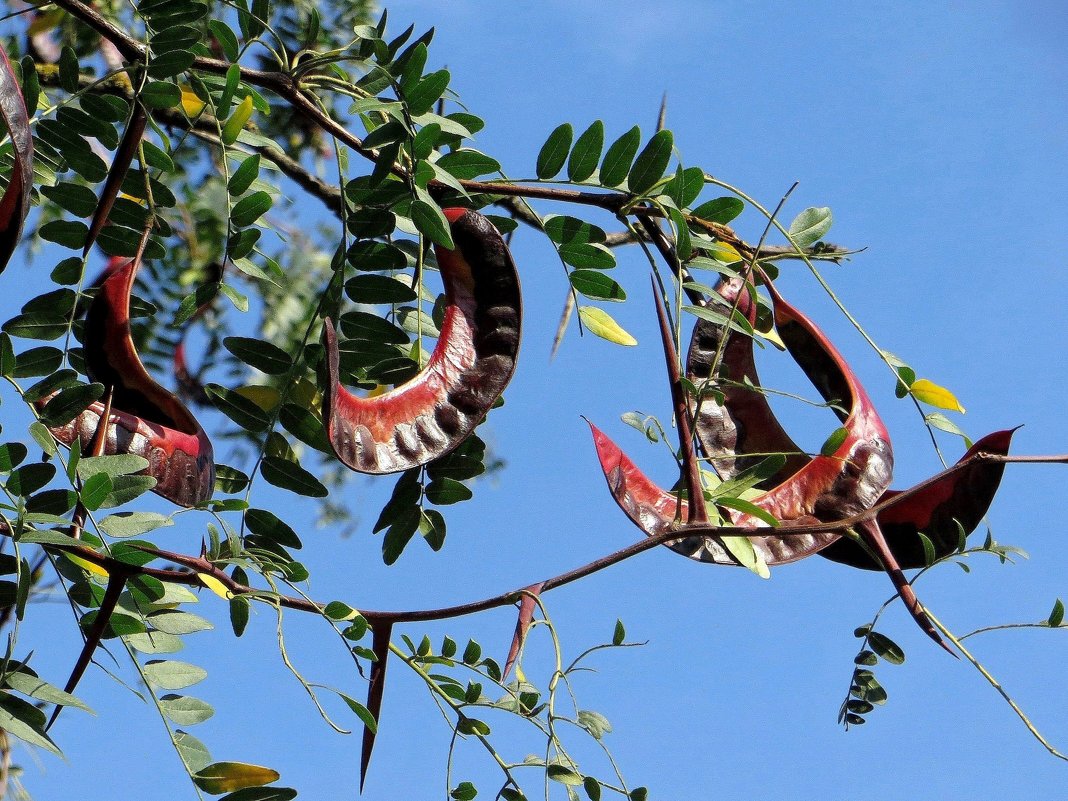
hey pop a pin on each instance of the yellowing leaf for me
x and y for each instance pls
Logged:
(218, 588)
(228, 777)
(929, 392)
(191, 104)
(237, 121)
(85, 564)
(264, 397)
(721, 251)
(602, 324)
(772, 336)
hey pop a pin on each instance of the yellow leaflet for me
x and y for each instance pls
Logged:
(380, 389)
(721, 251)
(191, 104)
(772, 336)
(929, 392)
(520, 675)
(264, 397)
(216, 587)
(85, 564)
(237, 121)
(601, 324)
(227, 777)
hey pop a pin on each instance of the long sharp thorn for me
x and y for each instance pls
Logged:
(527, 604)
(375, 687)
(131, 139)
(697, 513)
(116, 584)
(873, 536)
(96, 448)
(100, 436)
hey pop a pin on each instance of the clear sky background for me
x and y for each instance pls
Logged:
(938, 137)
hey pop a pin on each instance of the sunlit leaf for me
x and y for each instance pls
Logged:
(931, 393)
(586, 153)
(651, 163)
(226, 777)
(620, 156)
(554, 152)
(601, 323)
(810, 226)
(236, 123)
(173, 674)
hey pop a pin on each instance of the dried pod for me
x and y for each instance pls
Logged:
(15, 203)
(744, 423)
(865, 470)
(146, 419)
(961, 497)
(846, 480)
(471, 365)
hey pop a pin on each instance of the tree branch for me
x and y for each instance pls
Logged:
(286, 87)
(200, 566)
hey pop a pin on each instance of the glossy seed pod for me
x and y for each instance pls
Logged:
(743, 423)
(847, 480)
(472, 363)
(145, 419)
(936, 509)
(15, 203)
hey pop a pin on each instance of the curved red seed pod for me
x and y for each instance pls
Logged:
(744, 423)
(146, 419)
(961, 497)
(828, 487)
(821, 489)
(471, 365)
(15, 203)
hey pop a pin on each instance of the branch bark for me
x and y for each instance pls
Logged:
(201, 566)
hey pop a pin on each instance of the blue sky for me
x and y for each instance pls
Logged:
(938, 137)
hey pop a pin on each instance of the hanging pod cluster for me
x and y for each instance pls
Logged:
(850, 476)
